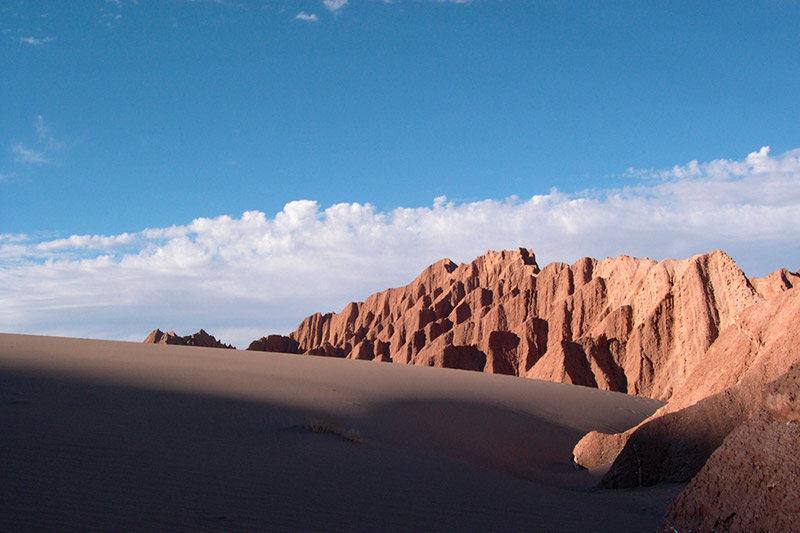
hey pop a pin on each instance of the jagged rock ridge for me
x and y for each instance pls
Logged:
(201, 338)
(622, 324)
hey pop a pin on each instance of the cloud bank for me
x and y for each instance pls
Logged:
(244, 277)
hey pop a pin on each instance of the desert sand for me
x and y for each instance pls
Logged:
(127, 436)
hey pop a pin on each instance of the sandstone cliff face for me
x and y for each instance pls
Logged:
(201, 338)
(622, 324)
(716, 398)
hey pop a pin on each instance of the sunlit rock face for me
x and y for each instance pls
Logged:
(621, 324)
(752, 365)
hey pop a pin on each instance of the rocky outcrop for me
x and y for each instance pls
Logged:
(275, 343)
(201, 338)
(621, 324)
(716, 398)
(752, 481)
(776, 283)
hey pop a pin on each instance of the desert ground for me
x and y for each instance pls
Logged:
(126, 436)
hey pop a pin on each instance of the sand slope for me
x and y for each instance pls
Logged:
(112, 435)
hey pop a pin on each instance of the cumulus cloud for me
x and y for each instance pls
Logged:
(306, 17)
(242, 277)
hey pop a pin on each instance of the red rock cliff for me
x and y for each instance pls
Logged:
(718, 395)
(622, 324)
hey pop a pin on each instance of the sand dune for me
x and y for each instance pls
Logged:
(112, 435)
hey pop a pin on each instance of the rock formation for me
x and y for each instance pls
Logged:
(776, 283)
(719, 347)
(275, 343)
(717, 397)
(622, 324)
(695, 332)
(201, 338)
(752, 481)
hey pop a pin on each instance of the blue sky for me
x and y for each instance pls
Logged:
(122, 119)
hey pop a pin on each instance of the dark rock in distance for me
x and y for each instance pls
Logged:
(275, 343)
(201, 338)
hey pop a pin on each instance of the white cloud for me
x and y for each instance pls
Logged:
(45, 137)
(28, 156)
(243, 277)
(35, 41)
(84, 242)
(46, 146)
(334, 5)
(308, 18)
(41, 129)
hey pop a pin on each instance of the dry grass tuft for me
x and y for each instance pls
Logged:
(324, 425)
